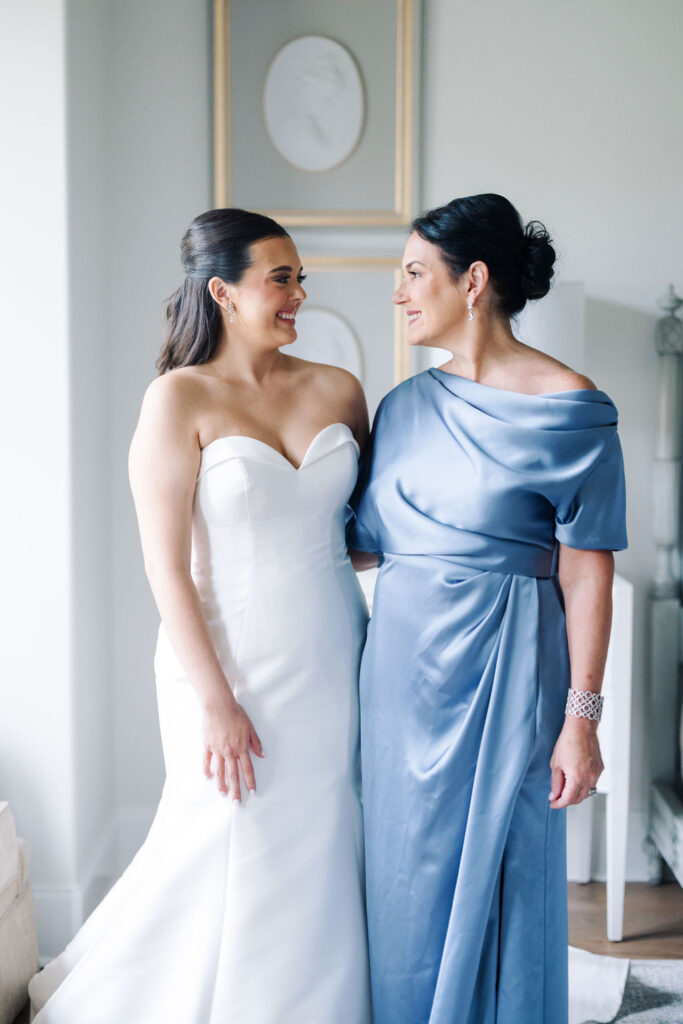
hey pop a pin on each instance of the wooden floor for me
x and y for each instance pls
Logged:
(653, 921)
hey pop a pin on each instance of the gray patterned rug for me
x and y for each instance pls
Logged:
(653, 994)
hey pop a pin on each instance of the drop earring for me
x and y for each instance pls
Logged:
(231, 312)
(470, 314)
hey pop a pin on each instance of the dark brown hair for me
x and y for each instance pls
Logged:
(487, 227)
(216, 244)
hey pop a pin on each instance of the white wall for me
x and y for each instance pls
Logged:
(36, 722)
(573, 110)
(87, 61)
(108, 132)
(159, 165)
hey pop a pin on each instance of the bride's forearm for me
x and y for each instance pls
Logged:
(184, 621)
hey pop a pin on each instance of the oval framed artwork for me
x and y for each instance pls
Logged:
(314, 103)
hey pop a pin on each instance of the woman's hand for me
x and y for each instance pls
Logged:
(228, 737)
(576, 764)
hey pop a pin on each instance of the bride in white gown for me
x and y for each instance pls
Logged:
(245, 903)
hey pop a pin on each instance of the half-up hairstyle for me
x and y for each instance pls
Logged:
(488, 228)
(216, 244)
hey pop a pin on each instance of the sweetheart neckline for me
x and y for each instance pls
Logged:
(275, 451)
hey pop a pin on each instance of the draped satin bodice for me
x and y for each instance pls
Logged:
(248, 911)
(489, 478)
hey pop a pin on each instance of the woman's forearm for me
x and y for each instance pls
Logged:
(183, 618)
(586, 580)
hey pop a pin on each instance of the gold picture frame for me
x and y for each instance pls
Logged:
(401, 207)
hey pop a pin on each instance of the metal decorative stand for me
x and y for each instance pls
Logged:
(666, 806)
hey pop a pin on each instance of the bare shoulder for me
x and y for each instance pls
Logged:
(339, 392)
(172, 402)
(548, 374)
(335, 387)
(339, 381)
(330, 378)
(343, 392)
(178, 391)
(174, 387)
(566, 379)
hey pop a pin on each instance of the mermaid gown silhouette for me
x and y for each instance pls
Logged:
(253, 913)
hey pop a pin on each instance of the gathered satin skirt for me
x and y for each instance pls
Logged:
(463, 684)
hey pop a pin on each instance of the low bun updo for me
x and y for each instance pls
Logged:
(487, 227)
(539, 257)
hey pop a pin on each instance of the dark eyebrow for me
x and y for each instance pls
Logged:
(277, 270)
(412, 263)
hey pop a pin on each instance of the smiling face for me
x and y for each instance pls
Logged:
(434, 303)
(267, 297)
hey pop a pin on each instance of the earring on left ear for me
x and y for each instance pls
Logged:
(231, 312)
(470, 314)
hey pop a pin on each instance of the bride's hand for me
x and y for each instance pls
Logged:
(228, 737)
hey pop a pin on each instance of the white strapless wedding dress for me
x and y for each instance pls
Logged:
(248, 914)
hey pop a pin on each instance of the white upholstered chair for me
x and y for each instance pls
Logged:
(18, 944)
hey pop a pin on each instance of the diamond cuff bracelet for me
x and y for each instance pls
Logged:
(584, 704)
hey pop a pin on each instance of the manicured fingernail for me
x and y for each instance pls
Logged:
(253, 792)
(236, 800)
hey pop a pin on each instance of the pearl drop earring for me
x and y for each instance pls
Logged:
(470, 314)
(231, 312)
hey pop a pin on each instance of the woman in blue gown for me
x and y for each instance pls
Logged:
(492, 494)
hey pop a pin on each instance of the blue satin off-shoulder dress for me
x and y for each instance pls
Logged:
(465, 491)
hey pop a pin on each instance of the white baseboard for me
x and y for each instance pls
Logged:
(100, 868)
(61, 910)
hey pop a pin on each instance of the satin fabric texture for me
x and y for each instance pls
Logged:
(253, 913)
(465, 492)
